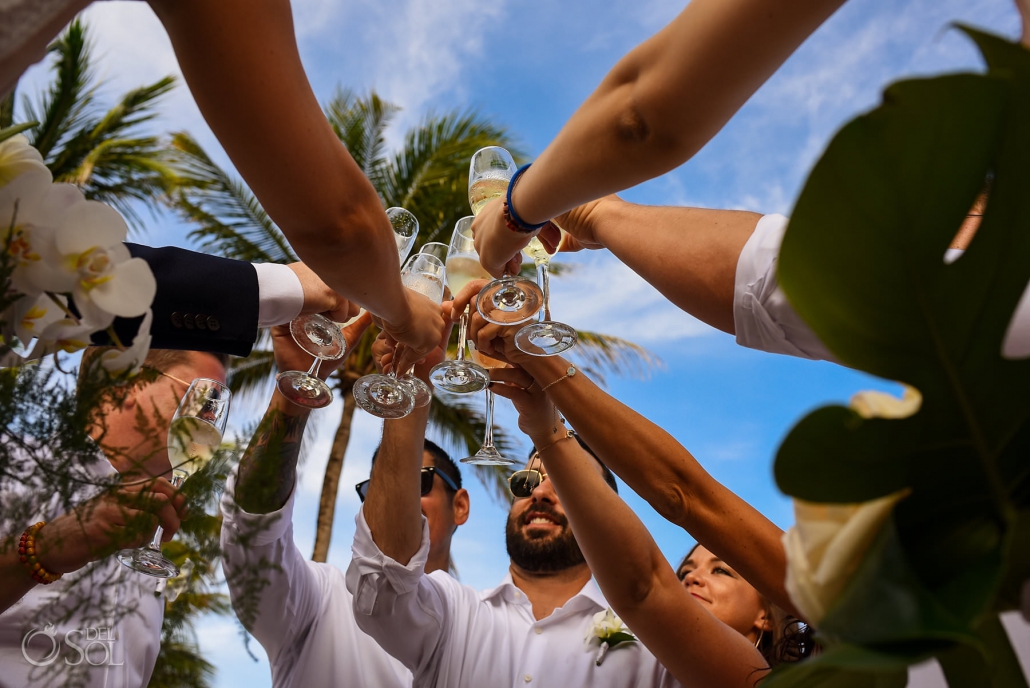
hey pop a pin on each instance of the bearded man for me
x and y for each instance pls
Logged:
(528, 631)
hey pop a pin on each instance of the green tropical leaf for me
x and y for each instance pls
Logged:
(862, 262)
(360, 123)
(10, 131)
(229, 219)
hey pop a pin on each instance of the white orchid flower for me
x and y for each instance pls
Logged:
(18, 158)
(130, 361)
(27, 226)
(31, 317)
(65, 335)
(872, 404)
(86, 257)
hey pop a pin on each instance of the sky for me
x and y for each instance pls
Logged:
(528, 65)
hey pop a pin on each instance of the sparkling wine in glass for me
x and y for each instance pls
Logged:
(323, 339)
(545, 337)
(194, 436)
(511, 300)
(461, 376)
(388, 396)
(487, 454)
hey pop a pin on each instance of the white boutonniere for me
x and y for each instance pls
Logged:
(609, 631)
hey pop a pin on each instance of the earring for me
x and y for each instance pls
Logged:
(761, 632)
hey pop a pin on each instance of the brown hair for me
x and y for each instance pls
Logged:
(791, 638)
(158, 359)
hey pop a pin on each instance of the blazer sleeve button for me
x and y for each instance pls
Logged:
(213, 324)
(189, 321)
(201, 322)
(177, 320)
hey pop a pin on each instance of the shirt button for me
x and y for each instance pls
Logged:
(538, 630)
(527, 678)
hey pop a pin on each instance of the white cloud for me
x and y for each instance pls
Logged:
(603, 295)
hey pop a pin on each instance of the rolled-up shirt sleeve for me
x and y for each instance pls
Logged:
(401, 607)
(275, 591)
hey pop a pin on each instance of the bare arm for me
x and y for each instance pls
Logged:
(688, 254)
(693, 645)
(656, 108)
(241, 62)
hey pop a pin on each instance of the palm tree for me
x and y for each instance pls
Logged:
(429, 177)
(99, 150)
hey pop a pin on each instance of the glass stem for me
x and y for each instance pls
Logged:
(178, 478)
(313, 370)
(544, 280)
(488, 437)
(463, 330)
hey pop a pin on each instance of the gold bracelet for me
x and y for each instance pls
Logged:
(569, 434)
(571, 372)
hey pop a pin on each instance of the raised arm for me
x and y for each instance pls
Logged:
(693, 645)
(653, 464)
(241, 62)
(655, 109)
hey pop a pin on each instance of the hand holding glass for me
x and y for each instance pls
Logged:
(194, 436)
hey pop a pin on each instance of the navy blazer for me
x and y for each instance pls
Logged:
(203, 303)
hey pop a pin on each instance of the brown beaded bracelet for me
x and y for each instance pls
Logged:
(27, 554)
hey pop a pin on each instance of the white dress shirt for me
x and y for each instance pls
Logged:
(280, 294)
(111, 612)
(451, 636)
(305, 617)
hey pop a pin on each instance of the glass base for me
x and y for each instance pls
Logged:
(546, 338)
(460, 377)
(420, 390)
(149, 562)
(510, 301)
(384, 396)
(319, 336)
(303, 389)
(487, 456)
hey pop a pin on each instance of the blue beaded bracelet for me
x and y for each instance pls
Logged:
(519, 224)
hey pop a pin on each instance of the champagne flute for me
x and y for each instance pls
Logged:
(511, 300)
(194, 436)
(405, 232)
(545, 337)
(487, 454)
(435, 248)
(386, 396)
(460, 376)
(323, 339)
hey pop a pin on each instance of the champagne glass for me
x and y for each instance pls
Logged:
(545, 337)
(487, 454)
(194, 436)
(460, 376)
(511, 300)
(435, 248)
(386, 396)
(405, 232)
(323, 339)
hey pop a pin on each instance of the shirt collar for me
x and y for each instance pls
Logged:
(507, 590)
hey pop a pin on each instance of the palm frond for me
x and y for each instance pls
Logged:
(65, 104)
(252, 375)
(462, 428)
(429, 176)
(229, 219)
(360, 123)
(604, 353)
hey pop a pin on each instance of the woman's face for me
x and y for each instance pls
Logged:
(724, 593)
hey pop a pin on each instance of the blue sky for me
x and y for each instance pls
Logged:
(528, 65)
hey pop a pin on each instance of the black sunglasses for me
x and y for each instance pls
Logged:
(427, 482)
(522, 483)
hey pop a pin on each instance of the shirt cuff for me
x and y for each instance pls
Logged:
(280, 294)
(260, 529)
(373, 576)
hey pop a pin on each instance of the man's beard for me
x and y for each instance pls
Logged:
(546, 553)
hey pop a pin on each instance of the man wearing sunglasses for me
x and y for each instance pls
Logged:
(299, 610)
(106, 494)
(528, 631)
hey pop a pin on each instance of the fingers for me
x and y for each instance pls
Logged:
(514, 265)
(516, 377)
(550, 237)
(353, 332)
(465, 297)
